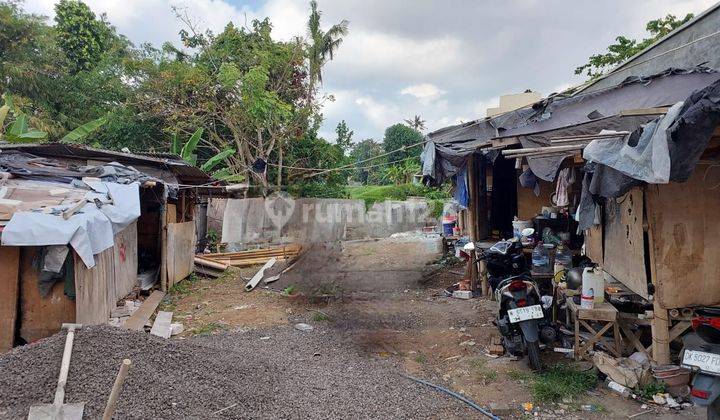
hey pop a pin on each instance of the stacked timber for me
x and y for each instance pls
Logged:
(211, 264)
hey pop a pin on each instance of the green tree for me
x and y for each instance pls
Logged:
(82, 37)
(360, 153)
(625, 47)
(323, 44)
(245, 88)
(402, 141)
(344, 136)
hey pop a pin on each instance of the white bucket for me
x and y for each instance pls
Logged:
(519, 225)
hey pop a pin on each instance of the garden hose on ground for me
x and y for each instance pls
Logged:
(453, 394)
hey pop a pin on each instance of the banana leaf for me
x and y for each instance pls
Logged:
(189, 147)
(217, 159)
(29, 137)
(175, 147)
(225, 174)
(81, 133)
(18, 126)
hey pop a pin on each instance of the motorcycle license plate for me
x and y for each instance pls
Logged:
(707, 362)
(523, 314)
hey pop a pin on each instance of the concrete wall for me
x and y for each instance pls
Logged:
(674, 53)
(254, 220)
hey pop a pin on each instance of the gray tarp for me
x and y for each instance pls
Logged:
(663, 89)
(570, 114)
(546, 168)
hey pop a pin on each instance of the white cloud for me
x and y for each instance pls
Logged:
(424, 92)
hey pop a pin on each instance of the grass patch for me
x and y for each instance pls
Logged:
(207, 329)
(420, 359)
(562, 381)
(378, 193)
(184, 287)
(557, 382)
(289, 290)
(481, 372)
(320, 317)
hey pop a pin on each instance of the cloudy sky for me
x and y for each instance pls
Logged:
(445, 60)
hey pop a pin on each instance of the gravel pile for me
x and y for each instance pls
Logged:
(277, 373)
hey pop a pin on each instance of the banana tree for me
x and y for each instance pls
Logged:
(17, 131)
(187, 153)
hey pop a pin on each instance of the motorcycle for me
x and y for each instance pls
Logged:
(524, 318)
(701, 354)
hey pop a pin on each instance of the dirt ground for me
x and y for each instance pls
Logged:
(385, 298)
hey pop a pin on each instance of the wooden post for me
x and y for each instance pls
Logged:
(660, 334)
(473, 271)
(660, 326)
(484, 281)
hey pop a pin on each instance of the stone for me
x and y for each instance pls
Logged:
(501, 409)
(176, 328)
(304, 327)
(462, 294)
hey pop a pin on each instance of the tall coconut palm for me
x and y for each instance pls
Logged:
(323, 44)
(416, 123)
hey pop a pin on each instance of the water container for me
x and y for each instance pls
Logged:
(540, 259)
(563, 258)
(593, 286)
(519, 225)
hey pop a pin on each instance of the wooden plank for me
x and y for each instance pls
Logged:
(594, 244)
(125, 263)
(40, 316)
(161, 326)
(180, 251)
(171, 213)
(139, 318)
(624, 249)
(504, 142)
(644, 111)
(528, 204)
(682, 220)
(9, 294)
(92, 288)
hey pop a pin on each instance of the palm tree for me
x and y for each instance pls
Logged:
(323, 44)
(416, 123)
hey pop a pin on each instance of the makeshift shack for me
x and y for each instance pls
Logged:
(81, 228)
(653, 237)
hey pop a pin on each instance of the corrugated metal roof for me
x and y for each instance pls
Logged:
(186, 173)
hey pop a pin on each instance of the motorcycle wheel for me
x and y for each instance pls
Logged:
(533, 350)
(713, 410)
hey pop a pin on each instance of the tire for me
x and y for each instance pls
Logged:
(533, 351)
(713, 410)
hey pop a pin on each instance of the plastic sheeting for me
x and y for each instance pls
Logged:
(89, 231)
(648, 160)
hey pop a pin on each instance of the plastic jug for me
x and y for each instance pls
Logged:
(540, 259)
(563, 258)
(593, 287)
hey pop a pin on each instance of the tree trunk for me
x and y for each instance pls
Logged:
(280, 163)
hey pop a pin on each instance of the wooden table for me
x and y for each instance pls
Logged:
(604, 314)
